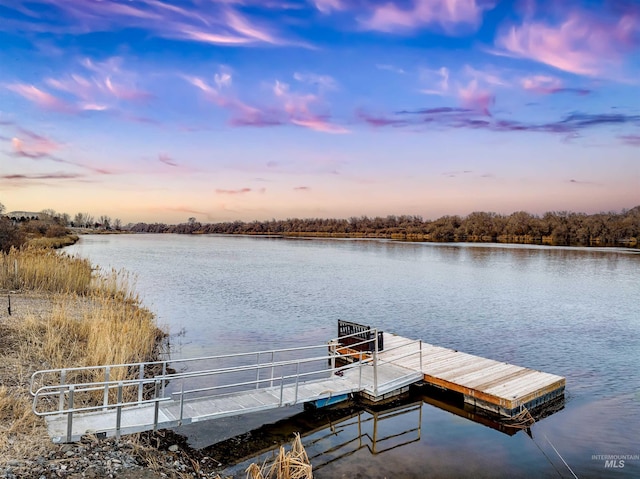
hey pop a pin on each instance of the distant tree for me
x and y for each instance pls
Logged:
(10, 235)
(83, 220)
(117, 224)
(2, 208)
(105, 221)
(63, 219)
(48, 214)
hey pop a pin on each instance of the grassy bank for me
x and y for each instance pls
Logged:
(55, 242)
(64, 313)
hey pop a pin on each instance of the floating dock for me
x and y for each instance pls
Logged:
(497, 387)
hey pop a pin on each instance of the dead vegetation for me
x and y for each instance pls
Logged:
(64, 313)
(293, 464)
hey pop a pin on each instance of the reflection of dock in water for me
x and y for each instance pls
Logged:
(330, 433)
(376, 431)
(333, 433)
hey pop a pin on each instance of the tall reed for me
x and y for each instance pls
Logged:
(45, 270)
(94, 318)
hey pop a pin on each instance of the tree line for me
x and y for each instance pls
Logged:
(18, 229)
(561, 228)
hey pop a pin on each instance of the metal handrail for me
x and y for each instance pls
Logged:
(66, 391)
(167, 362)
(61, 389)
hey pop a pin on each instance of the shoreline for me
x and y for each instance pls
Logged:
(30, 317)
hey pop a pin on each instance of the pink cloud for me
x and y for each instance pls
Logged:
(125, 92)
(580, 44)
(32, 145)
(28, 144)
(541, 83)
(240, 191)
(298, 108)
(448, 14)
(475, 98)
(548, 85)
(108, 80)
(100, 87)
(40, 97)
(215, 38)
(302, 188)
(287, 108)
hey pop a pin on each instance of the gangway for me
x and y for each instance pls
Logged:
(121, 399)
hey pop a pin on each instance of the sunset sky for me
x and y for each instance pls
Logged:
(159, 110)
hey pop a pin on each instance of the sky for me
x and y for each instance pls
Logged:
(222, 110)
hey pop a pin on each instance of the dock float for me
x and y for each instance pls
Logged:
(493, 386)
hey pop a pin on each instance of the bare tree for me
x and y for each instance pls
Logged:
(83, 220)
(105, 221)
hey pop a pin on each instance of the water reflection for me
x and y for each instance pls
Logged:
(329, 434)
(333, 435)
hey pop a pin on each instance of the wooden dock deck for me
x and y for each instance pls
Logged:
(495, 386)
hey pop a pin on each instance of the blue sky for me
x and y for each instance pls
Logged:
(150, 110)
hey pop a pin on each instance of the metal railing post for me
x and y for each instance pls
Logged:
(63, 380)
(164, 373)
(119, 411)
(70, 415)
(156, 406)
(295, 401)
(107, 373)
(375, 363)
(140, 384)
(273, 371)
(333, 351)
(181, 403)
(281, 389)
(258, 371)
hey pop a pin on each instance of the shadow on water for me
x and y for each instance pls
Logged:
(333, 434)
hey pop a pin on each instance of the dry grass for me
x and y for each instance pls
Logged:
(287, 465)
(35, 269)
(65, 314)
(53, 242)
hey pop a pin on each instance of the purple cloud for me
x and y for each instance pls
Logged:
(166, 159)
(240, 191)
(44, 176)
(633, 140)
(449, 117)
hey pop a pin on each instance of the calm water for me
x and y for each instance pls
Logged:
(567, 311)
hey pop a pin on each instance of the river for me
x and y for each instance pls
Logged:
(567, 311)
